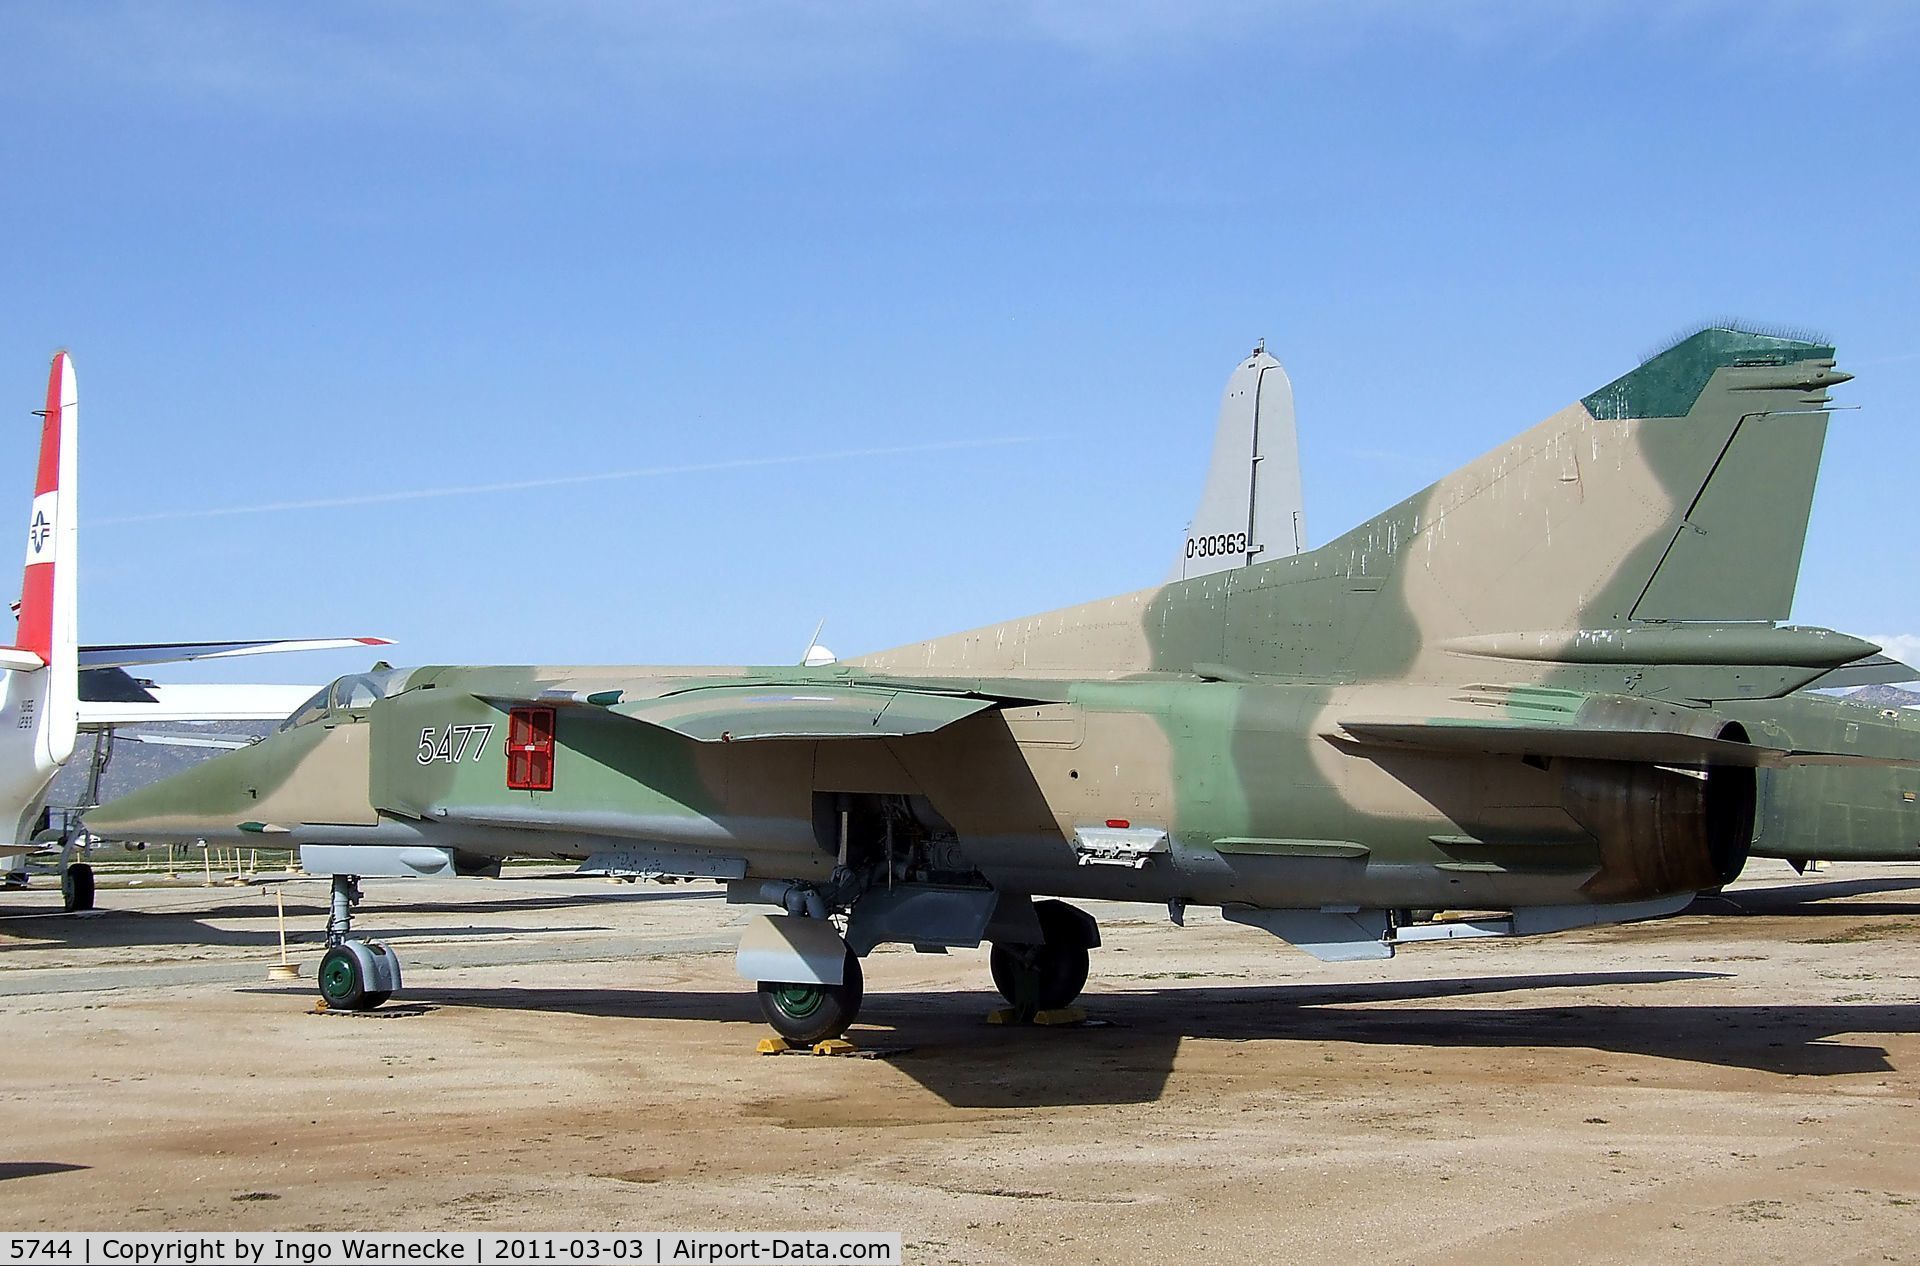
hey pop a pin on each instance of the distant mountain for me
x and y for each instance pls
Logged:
(134, 765)
(1885, 697)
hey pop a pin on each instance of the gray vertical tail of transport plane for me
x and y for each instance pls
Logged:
(1250, 509)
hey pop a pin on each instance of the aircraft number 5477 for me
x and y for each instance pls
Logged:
(455, 744)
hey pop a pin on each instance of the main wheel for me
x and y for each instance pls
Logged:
(76, 886)
(1045, 977)
(1050, 975)
(343, 985)
(813, 1013)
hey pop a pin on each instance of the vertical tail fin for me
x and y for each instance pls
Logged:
(1250, 510)
(40, 719)
(1678, 492)
(49, 527)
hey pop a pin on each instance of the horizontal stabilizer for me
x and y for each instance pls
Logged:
(1656, 747)
(1876, 670)
(133, 654)
(1494, 738)
(743, 713)
(1693, 644)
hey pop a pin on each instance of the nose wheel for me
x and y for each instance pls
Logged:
(354, 975)
(358, 976)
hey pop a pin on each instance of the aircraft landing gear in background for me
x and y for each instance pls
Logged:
(354, 975)
(76, 876)
(76, 886)
(1048, 976)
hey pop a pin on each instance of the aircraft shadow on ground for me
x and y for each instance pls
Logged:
(1807, 898)
(309, 901)
(126, 929)
(969, 1063)
(306, 918)
(375, 907)
(33, 1169)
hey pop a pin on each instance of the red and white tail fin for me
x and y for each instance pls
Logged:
(40, 718)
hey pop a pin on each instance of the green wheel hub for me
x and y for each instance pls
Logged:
(800, 1001)
(809, 1013)
(336, 977)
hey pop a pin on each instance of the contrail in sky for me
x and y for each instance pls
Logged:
(561, 481)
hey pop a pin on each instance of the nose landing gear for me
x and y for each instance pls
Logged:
(354, 975)
(358, 976)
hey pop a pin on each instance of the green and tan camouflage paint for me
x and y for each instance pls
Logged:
(1558, 580)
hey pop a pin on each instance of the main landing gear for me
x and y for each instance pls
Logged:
(354, 975)
(76, 887)
(809, 1013)
(810, 983)
(808, 979)
(1049, 975)
(76, 876)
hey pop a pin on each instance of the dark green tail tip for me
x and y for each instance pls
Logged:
(1667, 384)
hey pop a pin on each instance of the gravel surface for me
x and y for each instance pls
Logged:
(1736, 1084)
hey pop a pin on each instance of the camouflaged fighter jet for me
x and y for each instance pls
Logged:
(1519, 691)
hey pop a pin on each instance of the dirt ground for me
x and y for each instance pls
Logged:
(1737, 1084)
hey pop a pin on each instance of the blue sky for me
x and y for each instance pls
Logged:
(920, 311)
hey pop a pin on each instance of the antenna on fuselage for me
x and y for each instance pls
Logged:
(817, 656)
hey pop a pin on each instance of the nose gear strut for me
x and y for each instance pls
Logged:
(354, 975)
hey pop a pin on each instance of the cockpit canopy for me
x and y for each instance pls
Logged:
(351, 693)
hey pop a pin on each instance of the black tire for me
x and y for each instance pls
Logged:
(378, 997)
(76, 886)
(1063, 974)
(1006, 962)
(1053, 972)
(343, 987)
(1053, 975)
(813, 1013)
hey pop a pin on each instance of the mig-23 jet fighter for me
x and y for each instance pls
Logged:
(1510, 693)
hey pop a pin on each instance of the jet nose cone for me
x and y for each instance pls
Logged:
(199, 803)
(146, 815)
